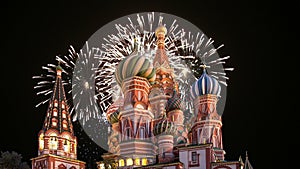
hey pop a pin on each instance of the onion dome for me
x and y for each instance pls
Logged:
(135, 65)
(164, 127)
(174, 103)
(114, 117)
(205, 85)
(160, 30)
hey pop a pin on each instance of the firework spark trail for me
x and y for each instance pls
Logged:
(45, 82)
(83, 85)
(204, 53)
(120, 45)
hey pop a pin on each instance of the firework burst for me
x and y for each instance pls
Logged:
(89, 74)
(45, 81)
(202, 52)
(83, 85)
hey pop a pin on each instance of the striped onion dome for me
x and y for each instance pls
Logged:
(205, 85)
(174, 103)
(114, 107)
(164, 127)
(135, 65)
(114, 117)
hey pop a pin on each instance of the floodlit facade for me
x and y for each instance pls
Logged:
(147, 121)
(57, 144)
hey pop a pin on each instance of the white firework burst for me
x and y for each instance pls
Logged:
(83, 85)
(45, 82)
(121, 44)
(201, 51)
(185, 52)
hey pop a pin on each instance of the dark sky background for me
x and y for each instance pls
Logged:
(34, 33)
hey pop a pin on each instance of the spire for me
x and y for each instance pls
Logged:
(58, 116)
(204, 66)
(135, 47)
(247, 162)
(161, 59)
(241, 160)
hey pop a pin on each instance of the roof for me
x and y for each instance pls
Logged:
(58, 116)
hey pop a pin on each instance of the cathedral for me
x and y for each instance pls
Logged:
(146, 121)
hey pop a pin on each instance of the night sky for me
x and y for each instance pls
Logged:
(34, 33)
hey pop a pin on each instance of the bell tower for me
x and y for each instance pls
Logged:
(57, 142)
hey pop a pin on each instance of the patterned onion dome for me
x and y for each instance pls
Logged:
(114, 117)
(135, 65)
(114, 107)
(205, 85)
(164, 127)
(174, 103)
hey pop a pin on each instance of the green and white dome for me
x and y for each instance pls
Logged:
(135, 65)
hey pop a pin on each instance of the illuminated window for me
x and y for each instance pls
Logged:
(54, 122)
(62, 105)
(55, 112)
(137, 161)
(129, 162)
(65, 124)
(53, 144)
(64, 114)
(55, 103)
(67, 146)
(41, 142)
(101, 166)
(144, 161)
(121, 162)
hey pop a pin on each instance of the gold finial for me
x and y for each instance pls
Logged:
(161, 29)
(204, 66)
(58, 69)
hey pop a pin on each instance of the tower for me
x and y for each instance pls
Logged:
(207, 125)
(163, 85)
(57, 142)
(165, 96)
(165, 130)
(134, 75)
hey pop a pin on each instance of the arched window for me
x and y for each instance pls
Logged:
(54, 122)
(63, 105)
(61, 166)
(53, 143)
(129, 162)
(64, 114)
(121, 163)
(67, 146)
(54, 112)
(137, 161)
(144, 161)
(65, 124)
(55, 103)
(41, 142)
